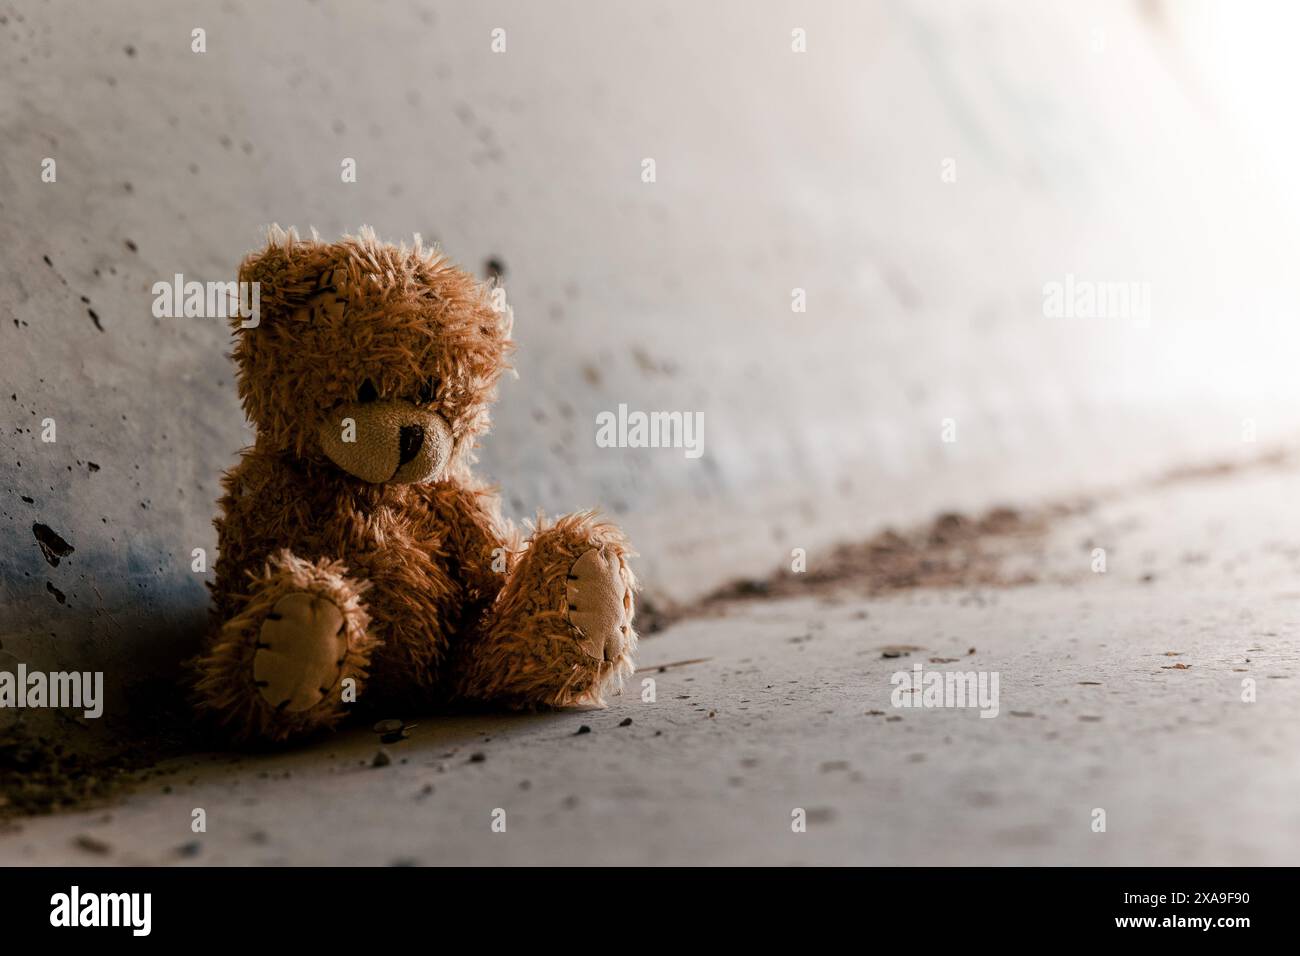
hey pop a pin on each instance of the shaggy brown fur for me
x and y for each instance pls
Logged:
(360, 561)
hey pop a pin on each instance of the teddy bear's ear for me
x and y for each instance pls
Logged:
(286, 272)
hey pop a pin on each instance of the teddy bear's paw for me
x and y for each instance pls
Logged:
(300, 651)
(600, 604)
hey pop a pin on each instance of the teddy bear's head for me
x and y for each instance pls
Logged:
(382, 359)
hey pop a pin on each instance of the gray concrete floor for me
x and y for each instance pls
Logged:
(1094, 714)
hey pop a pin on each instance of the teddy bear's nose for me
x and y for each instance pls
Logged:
(409, 440)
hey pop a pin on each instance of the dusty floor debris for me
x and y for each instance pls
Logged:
(38, 775)
(953, 551)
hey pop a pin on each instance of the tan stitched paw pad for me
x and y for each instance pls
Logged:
(600, 604)
(300, 651)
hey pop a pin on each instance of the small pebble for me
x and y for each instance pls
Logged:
(584, 729)
(92, 845)
(381, 759)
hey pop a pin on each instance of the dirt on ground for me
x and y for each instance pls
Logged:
(952, 551)
(39, 774)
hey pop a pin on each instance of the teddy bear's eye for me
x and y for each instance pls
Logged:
(428, 389)
(368, 392)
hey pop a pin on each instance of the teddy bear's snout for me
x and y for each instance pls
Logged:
(409, 441)
(387, 441)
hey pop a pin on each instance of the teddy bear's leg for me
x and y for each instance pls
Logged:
(277, 667)
(560, 631)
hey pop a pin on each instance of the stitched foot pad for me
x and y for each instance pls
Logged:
(300, 651)
(600, 604)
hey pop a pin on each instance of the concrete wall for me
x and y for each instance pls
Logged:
(1085, 139)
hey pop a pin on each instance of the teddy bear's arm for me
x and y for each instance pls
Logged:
(466, 518)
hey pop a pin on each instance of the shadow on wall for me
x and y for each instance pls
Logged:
(133, 615)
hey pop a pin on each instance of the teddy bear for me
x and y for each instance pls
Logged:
(360, 560)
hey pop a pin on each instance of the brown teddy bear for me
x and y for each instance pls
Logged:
(360, 561)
